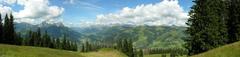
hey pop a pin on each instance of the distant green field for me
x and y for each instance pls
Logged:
(104, 53)
(231, 50)
(27, 51)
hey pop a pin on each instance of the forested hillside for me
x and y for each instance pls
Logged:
(55, 30)
(142, 36)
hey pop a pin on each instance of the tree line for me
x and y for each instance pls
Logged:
(126, 46)
(7, 31)
(212, 23)
(8, 35)
(88, 46)
(123, 45)
(174, 52)
(44, 40)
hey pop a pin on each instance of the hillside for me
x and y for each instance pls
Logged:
(142, 36)
(231, 50)
(56, 30)
(27, 51)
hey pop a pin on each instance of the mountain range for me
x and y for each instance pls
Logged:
(144, 36)
(55, 30)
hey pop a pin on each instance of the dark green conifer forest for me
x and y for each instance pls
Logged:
(212, 23)
(38, 38)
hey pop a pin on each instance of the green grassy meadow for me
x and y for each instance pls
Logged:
(27, 51)
(231, 50)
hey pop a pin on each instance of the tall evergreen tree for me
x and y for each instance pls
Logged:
(58, 42)
(6, 31)
(140, 53)
(19, 39)
(38, 37)
(83, 49)
(75, 46)
(29, 41)
(88, 46)
(15, 38)
(12, 35)
(234, 21)
(33, 38)
(1, 29)
(9, 34)
(207, 27)
(48, 40)
(52, 43)
(45, 39)
(126, 47)
(64, 43)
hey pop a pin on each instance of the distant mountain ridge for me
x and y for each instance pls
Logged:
(56, 30)
(144, 36)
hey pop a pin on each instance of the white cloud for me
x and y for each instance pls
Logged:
(163, 13)
(26, 20)
(5, 9)
(35, 11)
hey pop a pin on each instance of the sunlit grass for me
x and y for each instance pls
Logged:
(26, 51)
(106, 52)
(231, 50)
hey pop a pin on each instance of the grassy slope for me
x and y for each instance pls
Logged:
(106, 52)
(26, 51)
(231, 50)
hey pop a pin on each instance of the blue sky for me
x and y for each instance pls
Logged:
(76, 10)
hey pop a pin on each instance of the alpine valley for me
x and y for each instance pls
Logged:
(144, 36)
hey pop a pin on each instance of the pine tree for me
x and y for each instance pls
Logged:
(75, 46)
(207, 27)
(29, 41)
(38, 37)
(6, 31)
(140, 53)
(130, 48)
(51, 43)
(25, 41)
(44, 39)
(58, 43)
(19, 39)
(1, 29)
(218, 28)
(234, 21)
(68, 45)
(48, 40)
(33, 38)
(83, 48)
(87, 46)
(12, 34)
(64, 43)
(125, 46)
